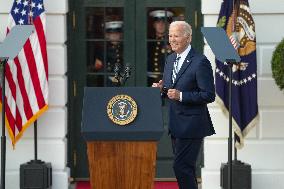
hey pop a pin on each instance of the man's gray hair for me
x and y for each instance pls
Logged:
(185, 25)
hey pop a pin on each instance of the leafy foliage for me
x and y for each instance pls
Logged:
(277, 65)
(221, 22)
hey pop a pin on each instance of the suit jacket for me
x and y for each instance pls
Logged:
(190, 118)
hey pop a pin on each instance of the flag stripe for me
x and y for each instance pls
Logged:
(13, 81)
(10, 101)
(26, 105)
(27, 79)
(9, 116)
(13, 107)
(39, 30)
(12, 88)
(18, 120)
(34, 73)
(10, 80)
(40, 67)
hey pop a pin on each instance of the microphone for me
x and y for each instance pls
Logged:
(117, 72)
(127, 71)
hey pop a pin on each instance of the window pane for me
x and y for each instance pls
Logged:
(104, 40)
(157, 42)
(157, 51)
(95, 56)
(95, 23)
(95, 80)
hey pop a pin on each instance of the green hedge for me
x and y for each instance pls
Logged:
(277, 65)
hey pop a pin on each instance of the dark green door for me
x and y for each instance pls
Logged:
(108, 34)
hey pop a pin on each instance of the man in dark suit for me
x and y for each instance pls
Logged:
(189, 85)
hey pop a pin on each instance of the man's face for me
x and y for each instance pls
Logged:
(114, 36)
(177, 39)
(160, 26)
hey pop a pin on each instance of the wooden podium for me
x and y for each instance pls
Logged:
(122, 156)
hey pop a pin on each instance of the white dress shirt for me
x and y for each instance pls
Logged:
(183, 56)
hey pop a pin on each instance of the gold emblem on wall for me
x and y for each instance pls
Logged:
(122, 109)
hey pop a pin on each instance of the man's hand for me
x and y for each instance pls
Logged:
(98, 64)
(160, 84)
(173, 94)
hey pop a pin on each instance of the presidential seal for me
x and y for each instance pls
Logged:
(122, 109)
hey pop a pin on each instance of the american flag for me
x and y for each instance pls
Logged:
(26, 78)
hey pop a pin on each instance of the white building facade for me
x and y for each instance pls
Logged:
(264, 147)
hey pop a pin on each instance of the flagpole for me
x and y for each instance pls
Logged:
(3, 137)
(230, 140)
(30, 22)
(235, 149)
(35, 139)
(230, 143)
(234, 30)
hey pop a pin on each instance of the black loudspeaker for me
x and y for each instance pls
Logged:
(35, 174)
(241, 175)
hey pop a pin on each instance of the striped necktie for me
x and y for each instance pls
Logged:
(175, 69)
